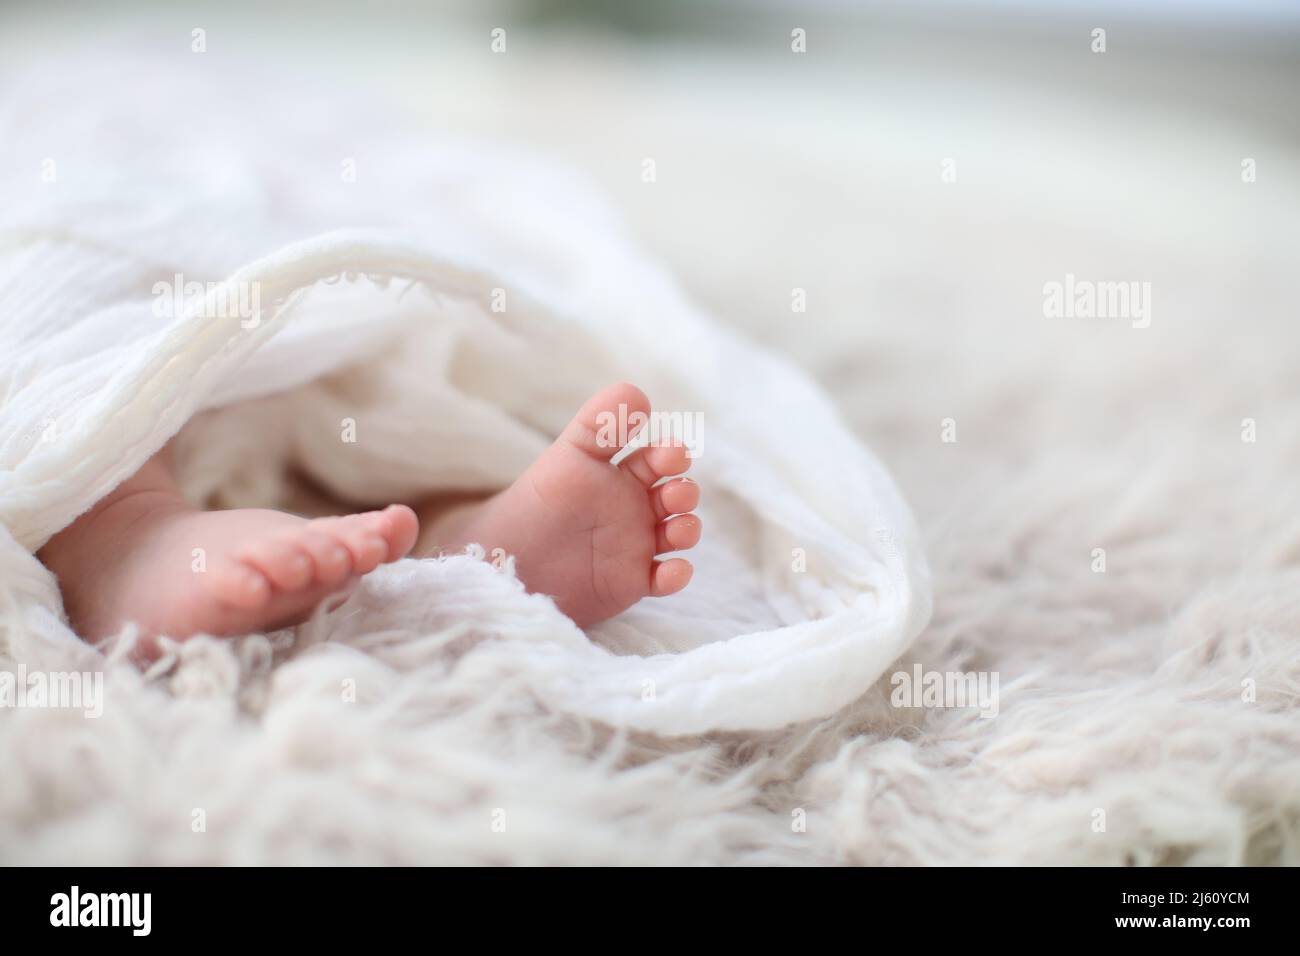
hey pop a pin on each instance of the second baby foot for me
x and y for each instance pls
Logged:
(150, 558)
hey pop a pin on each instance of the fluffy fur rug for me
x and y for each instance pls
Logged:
(1148, 712)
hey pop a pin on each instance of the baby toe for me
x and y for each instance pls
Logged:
(677, 534)
(669, 577)
(362, 538)
(398, 526)
(332, 560)
(608, 421)
(242, 585)
(675, 497)
(282, 561)
(653, 462)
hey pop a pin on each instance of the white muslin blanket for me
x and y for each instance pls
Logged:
(391, 313)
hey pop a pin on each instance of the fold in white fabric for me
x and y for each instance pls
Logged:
(396, 313)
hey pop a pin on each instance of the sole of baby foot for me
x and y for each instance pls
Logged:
(590, 534)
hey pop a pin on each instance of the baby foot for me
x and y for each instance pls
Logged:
(152, 559)
(582, 530)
